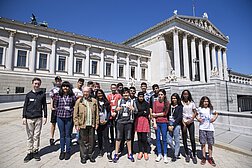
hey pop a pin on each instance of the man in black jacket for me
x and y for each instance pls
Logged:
(35, 103)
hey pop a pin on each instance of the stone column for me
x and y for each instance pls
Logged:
(214, 62)
(87, 62)
(149, 70)
(193, 56)
(127, 67)
(115, 65)
(220, 63)
(71, 60)
(201, 62)
(102, 64)
(53, 57)
(9, 58)
(225, 66)
(176, 53)
(185, 57)
(32, 58)
(208, 63)
(138, 68)
(162, 52)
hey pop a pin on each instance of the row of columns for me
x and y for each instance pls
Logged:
(222, 58)
(70, 70)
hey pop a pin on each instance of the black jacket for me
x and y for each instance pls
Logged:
(143, 109)
(177, 115)
(35, 103)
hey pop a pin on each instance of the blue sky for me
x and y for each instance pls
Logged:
(118, 20)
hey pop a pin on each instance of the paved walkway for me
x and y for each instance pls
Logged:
(231, 150)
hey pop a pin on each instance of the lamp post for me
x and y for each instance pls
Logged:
(196, 61)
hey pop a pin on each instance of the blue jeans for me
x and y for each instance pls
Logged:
(161, 128)
(175, 134)
(65, 126)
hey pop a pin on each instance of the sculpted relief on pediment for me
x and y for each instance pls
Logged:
(205, 24)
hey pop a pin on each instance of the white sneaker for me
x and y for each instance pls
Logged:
(165, 159)
(159, 158)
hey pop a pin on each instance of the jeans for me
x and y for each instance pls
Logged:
(65, 126)
(161, 128)
(175, 134)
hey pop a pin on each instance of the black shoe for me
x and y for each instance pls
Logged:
(187, 159)
(51, 141)
(67, 156)
(62, 156)
(174, 159)
(194, 160)
(36, 156)
(28, 157)
(100, 154)
(92, 159)
(83, 160)
(109, 157)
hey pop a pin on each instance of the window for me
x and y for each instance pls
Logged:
(94, 68)
(42, 61)
(19, 90)
(108, 69)
(143, 74)
(21, 58)
(1, 56)
(78, 65)
(120, 70)
(132, 72)
(62, 63)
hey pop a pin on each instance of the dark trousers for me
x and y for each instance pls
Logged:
(190, 128)
(86, 141)
(142, 142)
(132, 137)
(103, 137)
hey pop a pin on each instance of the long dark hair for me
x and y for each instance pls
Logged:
(177, 97)
(190, 99)
(70, 91)
(201, 104)
(165, 99)
(104, 98)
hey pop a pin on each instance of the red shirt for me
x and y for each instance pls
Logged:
(113, 99)
(159, 108)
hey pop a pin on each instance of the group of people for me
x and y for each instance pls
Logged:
(115, 118)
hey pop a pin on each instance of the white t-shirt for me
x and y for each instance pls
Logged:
(77, 92)
(205, 114)
(188, 110)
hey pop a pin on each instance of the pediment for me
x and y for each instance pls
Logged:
(63, 52)
(80, 54)
(23, 46)
(121, 61)
(95, 57)
(144, 65)
(108, 59)
(205, 24)
(3, 43)
(44, 49)
(133, 63)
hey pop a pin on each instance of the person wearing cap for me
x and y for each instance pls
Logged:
(53, 93)
(64, 105)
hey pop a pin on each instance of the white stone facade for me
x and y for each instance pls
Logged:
(30, 50)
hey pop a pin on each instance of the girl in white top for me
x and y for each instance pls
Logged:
(206, 117)
(189, 113)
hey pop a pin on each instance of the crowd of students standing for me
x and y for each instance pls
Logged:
(115, 118)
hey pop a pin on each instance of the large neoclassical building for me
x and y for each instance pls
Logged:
(182, 52)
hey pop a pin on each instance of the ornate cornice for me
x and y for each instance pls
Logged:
(44, 49)
(63, 52)
(23, 46)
